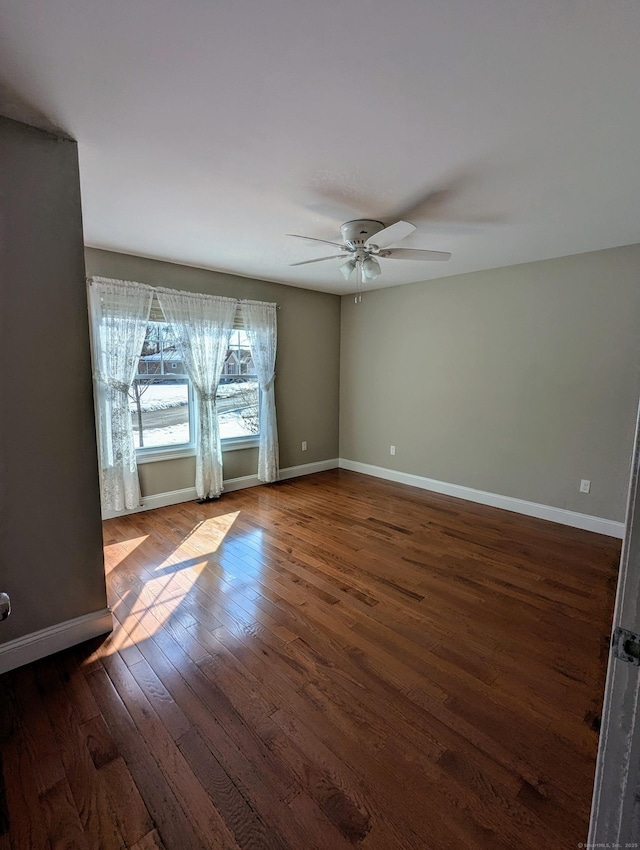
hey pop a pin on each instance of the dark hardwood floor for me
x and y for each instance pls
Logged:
(328, 662)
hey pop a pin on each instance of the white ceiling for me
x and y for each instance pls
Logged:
(208, 130)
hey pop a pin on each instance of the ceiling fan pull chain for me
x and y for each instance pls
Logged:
(358, 297)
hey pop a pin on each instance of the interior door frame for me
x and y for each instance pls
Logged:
(615, 810)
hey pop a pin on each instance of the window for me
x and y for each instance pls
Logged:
(161, 398)
(238, 396)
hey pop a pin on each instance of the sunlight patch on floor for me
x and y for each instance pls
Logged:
(149, 603)
(212, 532)
(115, 553)
(143, 611)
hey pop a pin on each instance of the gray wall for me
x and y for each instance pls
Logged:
(307, 367)
(50, 532)
(518, 381)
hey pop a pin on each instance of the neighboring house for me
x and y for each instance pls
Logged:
(169, 362)
(166, 362)
(238, 362)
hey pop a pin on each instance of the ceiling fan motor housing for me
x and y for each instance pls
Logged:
(355, 233)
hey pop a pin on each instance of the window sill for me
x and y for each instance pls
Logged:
(241, 443)
(153, 455)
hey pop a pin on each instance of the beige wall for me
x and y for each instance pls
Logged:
(307, 366)
(50, 532)
(518, 381)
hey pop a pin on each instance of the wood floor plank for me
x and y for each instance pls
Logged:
(79, 693)
(173, 718)
(168, 657)
(192, 798)
(62, 820)
(134, 820)
(4, 809)
(37, 733)
(250, 771)
(99, 741)
(96, 817)
(330, 662)
(27, 825)
(248, 828)
(151, 841)
(165, 810)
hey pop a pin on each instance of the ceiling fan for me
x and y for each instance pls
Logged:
(365, 240)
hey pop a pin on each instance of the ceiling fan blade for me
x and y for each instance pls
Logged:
(318, 260)
(313, 239)
(414, 254)
(390, 235)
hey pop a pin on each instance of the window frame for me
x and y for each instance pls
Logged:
(253, 440)
(151, 454)
(145, 454)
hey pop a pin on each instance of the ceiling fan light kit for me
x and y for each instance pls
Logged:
(371, 268)
(366, 239)
(347, 268)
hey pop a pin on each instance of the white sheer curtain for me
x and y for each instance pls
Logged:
(201, 325)
(119, 316)
(260, 325)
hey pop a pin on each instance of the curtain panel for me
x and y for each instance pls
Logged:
(202, 325)
(261, 328)
(119, 312)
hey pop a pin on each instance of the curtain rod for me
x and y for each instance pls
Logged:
(98, 278)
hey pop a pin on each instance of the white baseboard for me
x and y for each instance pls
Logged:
(24, 650)
(309, 468)
(159, 500)
(175, 497)
(577, 520)
(520, 506)
(232, 484)
(241, 483)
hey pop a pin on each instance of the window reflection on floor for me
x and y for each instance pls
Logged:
(150, 590)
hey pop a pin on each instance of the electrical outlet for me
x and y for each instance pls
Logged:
(585, 486)
(392, 450)
(304, 445)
